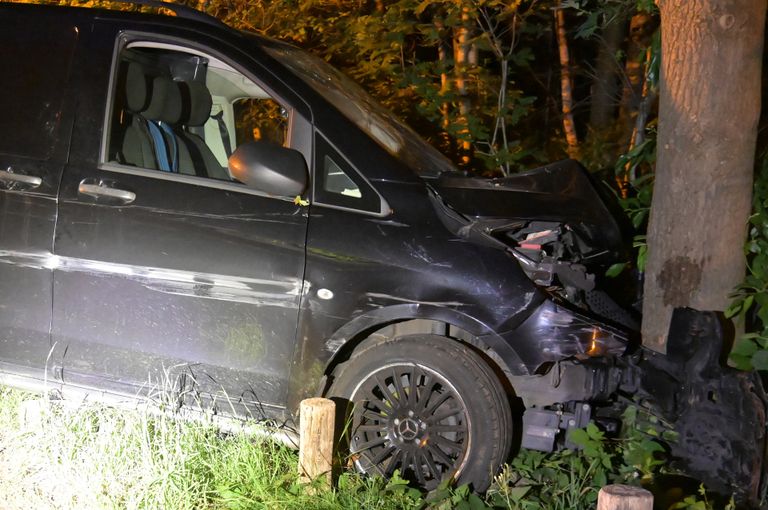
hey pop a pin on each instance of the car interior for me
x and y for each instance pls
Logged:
(185, 112)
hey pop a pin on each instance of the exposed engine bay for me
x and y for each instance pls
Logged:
(559, 258)
(563, 230)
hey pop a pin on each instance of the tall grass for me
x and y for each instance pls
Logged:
(96, 457)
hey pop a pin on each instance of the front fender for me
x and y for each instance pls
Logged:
(372, 320)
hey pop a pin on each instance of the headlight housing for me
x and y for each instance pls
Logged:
(559, 333)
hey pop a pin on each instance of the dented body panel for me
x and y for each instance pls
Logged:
(560, 192)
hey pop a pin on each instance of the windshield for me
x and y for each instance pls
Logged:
(359, 107)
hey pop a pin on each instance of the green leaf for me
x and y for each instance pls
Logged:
(760, 360)
(594, 433)
(579, 436)
(518, 493)
(616, 269)
(475, 503)
(589, 27)
(741, 362)
(642, 257)
(744, 347)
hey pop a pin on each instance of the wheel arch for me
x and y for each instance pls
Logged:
(386, 323)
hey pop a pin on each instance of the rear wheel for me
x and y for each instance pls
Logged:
(427, 406)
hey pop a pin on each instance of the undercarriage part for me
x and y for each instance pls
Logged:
(718, 413)
(543, 429)
(575, 385)
(566, 381)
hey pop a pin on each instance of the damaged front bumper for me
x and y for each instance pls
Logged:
(718, 414)
(573, 362)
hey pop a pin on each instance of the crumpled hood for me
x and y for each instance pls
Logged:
(562, 192)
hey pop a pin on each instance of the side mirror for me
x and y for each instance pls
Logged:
(270, 168)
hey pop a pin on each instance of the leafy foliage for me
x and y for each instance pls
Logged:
(699, 502)
(636, 198)
(750, 302)
(571, 479)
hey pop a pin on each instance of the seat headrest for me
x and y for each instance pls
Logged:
(165, 104)
(136, 88)
(200, 104)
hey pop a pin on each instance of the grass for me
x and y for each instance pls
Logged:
(92, 456)
(96, 457)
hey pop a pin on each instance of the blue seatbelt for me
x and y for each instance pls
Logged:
(161, 154)
(174, 152)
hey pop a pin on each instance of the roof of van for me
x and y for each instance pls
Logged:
(131, 8)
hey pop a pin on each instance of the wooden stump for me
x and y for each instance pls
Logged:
(624, 497)
(316, 439)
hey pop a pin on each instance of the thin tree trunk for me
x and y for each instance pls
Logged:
(566, 89)
(461, 56)
(647, 102)
(605, 86)
(641, 28)
(708, 114)
(647, 98)
(442, 56)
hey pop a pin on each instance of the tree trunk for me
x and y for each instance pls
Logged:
(566, 89)
(641, 28)
(647, 103)
(461, 58)
(605, 86)
(708, 113)
(442, 55)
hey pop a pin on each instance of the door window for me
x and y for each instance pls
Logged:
(36, 66)
(181, 111)
(339, 185)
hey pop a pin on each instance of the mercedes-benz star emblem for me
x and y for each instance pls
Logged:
(408, 429)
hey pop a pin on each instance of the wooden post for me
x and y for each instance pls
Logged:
(316, 439)
(624, 497)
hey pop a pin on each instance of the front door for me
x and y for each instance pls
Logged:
(170, 275)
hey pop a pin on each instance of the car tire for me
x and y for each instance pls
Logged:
(456, 424)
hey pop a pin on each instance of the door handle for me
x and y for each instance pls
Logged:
(100, 190)
(31, 181)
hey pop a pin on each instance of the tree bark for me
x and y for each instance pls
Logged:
(708, 113)
(566, 89)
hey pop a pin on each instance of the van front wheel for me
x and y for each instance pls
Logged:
(427, 406)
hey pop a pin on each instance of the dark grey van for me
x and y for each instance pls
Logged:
(183, 202)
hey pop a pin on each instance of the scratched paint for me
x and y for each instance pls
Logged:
(170, 281)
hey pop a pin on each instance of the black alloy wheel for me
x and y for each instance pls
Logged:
(427, 406)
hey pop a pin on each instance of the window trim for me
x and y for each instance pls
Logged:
(384, 208)
(127, 37)
(194, 180)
